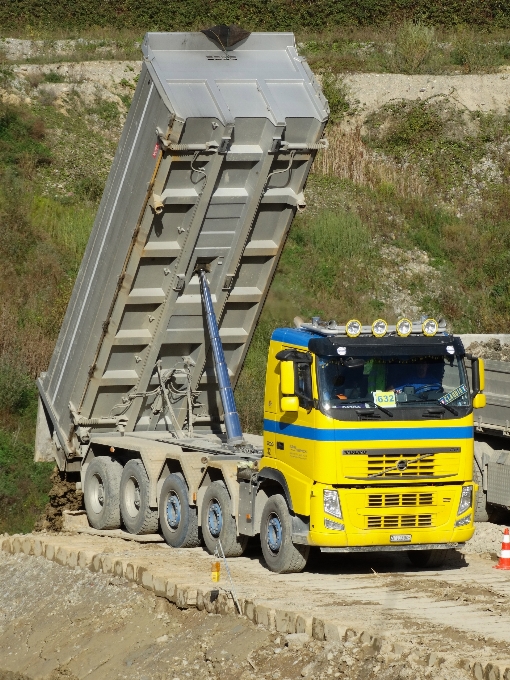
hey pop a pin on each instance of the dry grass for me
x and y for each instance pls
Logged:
(349, 158)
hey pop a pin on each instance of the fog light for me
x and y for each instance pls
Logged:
(353, 328)
(466, 499)
(332, 503)
(464, 521)
(404, 327)
(430, 327)
(379, 328)
(329, 524)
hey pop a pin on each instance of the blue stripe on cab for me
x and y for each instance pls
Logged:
(293, 336)
(365, 434)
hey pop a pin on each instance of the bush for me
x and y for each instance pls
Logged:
(413, 45)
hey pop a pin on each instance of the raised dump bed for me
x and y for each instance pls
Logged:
(209, 173)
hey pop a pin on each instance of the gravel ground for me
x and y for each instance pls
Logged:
(57, 623)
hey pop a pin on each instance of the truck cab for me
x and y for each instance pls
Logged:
(373, 435)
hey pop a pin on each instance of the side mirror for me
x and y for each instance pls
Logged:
(477, 375)
(287, 378)
(289, 404)
(479, 400)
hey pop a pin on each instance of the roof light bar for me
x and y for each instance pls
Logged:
(353, 328)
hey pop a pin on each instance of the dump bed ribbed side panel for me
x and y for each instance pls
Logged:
(209, 173)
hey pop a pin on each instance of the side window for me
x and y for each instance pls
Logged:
(303, 384)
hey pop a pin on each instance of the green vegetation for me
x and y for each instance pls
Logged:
(48, 198)
(268, 15)
(408, 47)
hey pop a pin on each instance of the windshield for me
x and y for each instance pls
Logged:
(392, 382)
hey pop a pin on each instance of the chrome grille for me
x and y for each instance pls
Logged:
(399, 521)
(397, 500)
(416, 466)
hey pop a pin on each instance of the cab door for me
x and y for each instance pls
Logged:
(295, 443)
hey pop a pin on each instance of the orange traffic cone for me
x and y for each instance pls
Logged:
(504, 559)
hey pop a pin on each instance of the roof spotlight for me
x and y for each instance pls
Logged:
(430, 327)
(353, 328)
(404, 327)
(379, 328)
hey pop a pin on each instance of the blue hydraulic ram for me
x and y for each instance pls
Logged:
(232, 423)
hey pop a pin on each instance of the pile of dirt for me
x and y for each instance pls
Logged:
(487, 539)
(491, 349)
(63, 496)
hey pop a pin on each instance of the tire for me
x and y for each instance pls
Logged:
(427, 558)
(178, 520)
(101, 492)
(481, 511)
(137, 515)
(218, 523)
(280, 554)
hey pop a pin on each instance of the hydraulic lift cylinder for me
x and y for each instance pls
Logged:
(232, 422)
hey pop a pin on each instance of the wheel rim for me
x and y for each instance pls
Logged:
(132, 497)
(274, 533)
(173, 511)
(97, 493)
(214, 518)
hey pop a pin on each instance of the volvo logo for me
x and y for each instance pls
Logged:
(402, 465)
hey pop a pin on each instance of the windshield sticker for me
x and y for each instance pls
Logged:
(455, 394)
(385, 399)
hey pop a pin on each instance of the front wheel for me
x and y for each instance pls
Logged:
(280, 554)
(427, 558)
(178, 520)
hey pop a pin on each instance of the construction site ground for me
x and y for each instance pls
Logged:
(81, 605)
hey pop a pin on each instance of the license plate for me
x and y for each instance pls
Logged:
(400, 538)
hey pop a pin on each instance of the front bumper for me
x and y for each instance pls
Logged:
(398, 521)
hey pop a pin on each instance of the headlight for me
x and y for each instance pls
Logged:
(430, 327)
(353, 328)
(464, 521)
(466, 499)
(379, 328)
(404, 327)
(332, 503)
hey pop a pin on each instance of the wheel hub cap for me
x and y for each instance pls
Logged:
(214, 519)
(274, 533)
(173, 511)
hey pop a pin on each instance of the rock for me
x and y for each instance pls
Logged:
(491, 672)
(162, 638)
(296, 640)
(308, 670)
(478, 671)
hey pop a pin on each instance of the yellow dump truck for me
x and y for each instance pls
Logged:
(368, 430)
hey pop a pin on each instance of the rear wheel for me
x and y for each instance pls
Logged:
(280, 554)
(218, 523)
(101, 492)
(137, 515)
(427, 558)
(178, 520)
